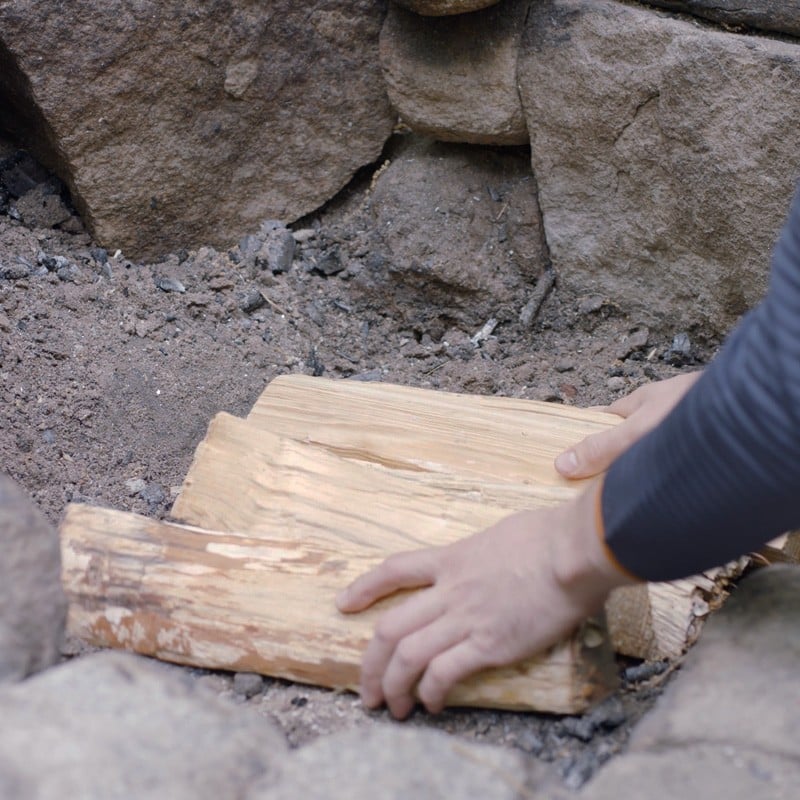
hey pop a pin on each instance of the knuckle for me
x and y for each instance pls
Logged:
(407, 658)
(590, 449)
(396, 568)
(490, 646)
(385, 631)
(437, 681)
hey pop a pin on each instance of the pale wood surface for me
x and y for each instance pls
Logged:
(248, 479)
(791, 547)
(655, 621)
(265, 604)
(323, 480)
(498, 438)
(407, 455)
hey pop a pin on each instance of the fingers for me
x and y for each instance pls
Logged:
(401, 571)
(642, 410)
(446, 670)
(625, 406)
(393, 627)
(596, 452)
(410, 658)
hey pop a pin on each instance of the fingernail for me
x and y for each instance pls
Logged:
(341, 599)
(567, 463)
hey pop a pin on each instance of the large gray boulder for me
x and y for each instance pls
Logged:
(744, 667)
(113, 727)
(666, 154)
(32, 603)
(455, 78)
(179, 123)
(782, 16)
(395, 763)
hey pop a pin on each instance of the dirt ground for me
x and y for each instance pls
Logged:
(110, 371)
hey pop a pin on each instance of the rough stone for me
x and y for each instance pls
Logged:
(744, 667)
(438, 8)
(248, 684)
(113, 726)
(402, 762)
(41, 208)
(666, 155)
(276, 251)
(181, 122)
(699, 770)
(330, 263)
(32, 602)
(695, 742)
(455, 78)
(782, 16)
(251, 300)
(455, 228)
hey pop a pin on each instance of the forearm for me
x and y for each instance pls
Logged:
(721, 475)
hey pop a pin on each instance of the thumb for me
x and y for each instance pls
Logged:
(595, 453)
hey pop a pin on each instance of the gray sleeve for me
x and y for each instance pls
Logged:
(721, 475)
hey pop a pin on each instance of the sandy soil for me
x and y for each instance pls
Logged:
(110, 371)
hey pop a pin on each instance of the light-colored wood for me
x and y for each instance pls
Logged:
(657, 621)
(248, 479)
(791, 546)
(497, 438)
(404, 454)
(265, 604)
(784, 549)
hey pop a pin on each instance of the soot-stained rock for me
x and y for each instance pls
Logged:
(666, 154)
(185, 122)
(455, 78)
(456, 228)
(41, 208)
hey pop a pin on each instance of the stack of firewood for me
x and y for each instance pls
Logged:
(321, 481)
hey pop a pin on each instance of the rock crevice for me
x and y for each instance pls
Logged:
(769, 16)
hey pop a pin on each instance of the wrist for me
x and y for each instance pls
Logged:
(582, 562)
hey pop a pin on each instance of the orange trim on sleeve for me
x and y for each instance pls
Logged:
(600, 527)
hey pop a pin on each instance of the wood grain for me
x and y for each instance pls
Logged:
(248, 479)
(656, 621)
(497, 438)
(265, 604)
(408, 454)
(322, 481)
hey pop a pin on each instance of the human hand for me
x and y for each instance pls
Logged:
(489, 600)
(642, 410)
